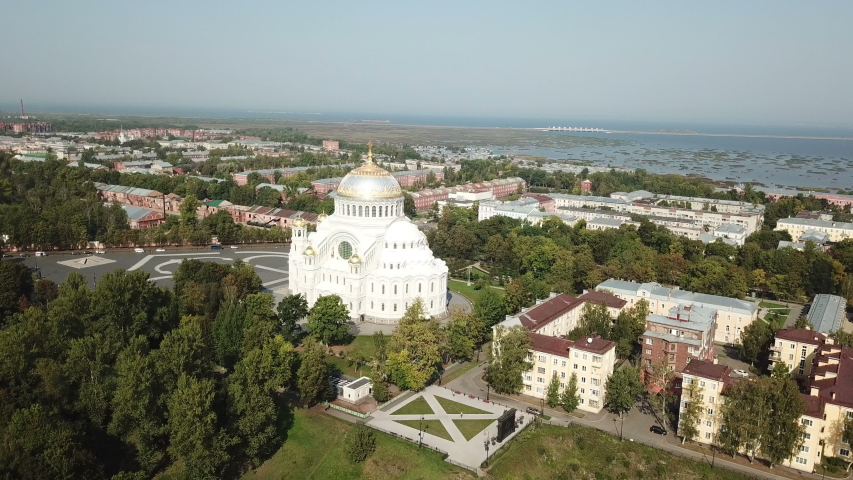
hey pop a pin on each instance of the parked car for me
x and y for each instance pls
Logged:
(234, 247)
(87, 252)
(658, 430)
(139, 250)
(100, 252)
(25, 255)
(533, 411)
(161, 249)
(75, 253)
(216, 247)
(41, 254)
(741, 373)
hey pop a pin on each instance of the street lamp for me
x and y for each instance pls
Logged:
(487, 392)
(486, 444)
(421, 433)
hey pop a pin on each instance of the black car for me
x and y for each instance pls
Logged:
(533, 411)
(25, 255)
(87, 252)
(75, 253)
(658, 430)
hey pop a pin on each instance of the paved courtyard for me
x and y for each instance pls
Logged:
(469, 451)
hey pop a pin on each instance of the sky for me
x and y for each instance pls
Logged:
(756, 62)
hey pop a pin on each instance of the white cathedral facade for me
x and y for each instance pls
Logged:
(368, 252)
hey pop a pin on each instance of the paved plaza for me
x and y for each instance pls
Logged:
(469, 452)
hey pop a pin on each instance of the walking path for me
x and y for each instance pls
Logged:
(460, 450)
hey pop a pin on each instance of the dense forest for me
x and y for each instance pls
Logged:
(123, 379)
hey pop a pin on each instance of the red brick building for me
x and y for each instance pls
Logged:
(331, 145)
(586, 186)
(545, 202)
(499, 188)
(685, 333)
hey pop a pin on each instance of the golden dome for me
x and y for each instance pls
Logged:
(299, 222)
(321, 217)
(369, 182)
(355, 259)
(309, 251)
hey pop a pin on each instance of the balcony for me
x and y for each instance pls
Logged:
(775, 357)
(775, 348)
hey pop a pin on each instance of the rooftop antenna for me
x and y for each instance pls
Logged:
(22, 108)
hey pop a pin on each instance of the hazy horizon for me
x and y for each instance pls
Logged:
(756, 63)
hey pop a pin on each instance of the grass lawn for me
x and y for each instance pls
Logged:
(771, 305)
(314, 450)
(348, 368)
(463, 289)
(581, 452)
(418, 406)
(363, 345)
(461, 370)
(450, 406)
(470, 428)
(432, 427)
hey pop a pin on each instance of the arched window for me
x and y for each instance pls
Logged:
(395, 246)
(395, 289)
(387, 213)
(404, 246)
(371, 305)
(407, 288)
(419, 288)
(371, 290)
(348, 214)
(432, 287)
(383, 307)
(395, 307)
(398, 266)
(373, 211)
(359, 210)
(430, 303)
(383, 289)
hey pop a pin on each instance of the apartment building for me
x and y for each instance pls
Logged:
(732, 315)
(796, 348)
(710, 379)
(685, 334)
(796, 227)
(559, 314)
(499, 188)
(592, 359)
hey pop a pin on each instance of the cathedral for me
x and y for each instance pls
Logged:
(368, 252)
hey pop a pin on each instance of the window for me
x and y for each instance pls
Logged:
(562, 385)
(713, 386)
(576, 356)
(575, 366)
(596, 359)
(802, 461)
(844, 452)
(592, 403)
(542, 359)
(807, 436)
(710, 399)
(727, 329)
(383, 307)
(583, 368)
(538, 389)
(528, 378)
(395, 289)
(790, 356)
(540, 370)
(383, 289)
(540, 379)
(688, 381)
(594, 393)
(563, 363)
(807, 422)
(595, 381)
(648, 351)
(803, 353)
(707, 435)
(556, 360)
(562, 374)
(583, 379)
(793, 346)
(804, 449)
(671, 347)
(527, 387)
(710, 411)
(395, 307)
(649, 341)
(419, 288)
(671, 357)
(702, 383)
(583, 390)
(709, 423)
(584, 356)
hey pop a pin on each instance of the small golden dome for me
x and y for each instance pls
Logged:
(321, 217)
(355, 259)
(309, 251)
(300, 222)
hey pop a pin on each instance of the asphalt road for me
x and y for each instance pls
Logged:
(270, 263)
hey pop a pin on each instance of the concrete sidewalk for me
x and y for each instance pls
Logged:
(460, 450)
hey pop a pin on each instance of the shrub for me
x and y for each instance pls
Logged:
(360, 443)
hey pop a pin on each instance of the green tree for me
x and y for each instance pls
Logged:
(250, 396)
(490, 307)
(189, 217)
(291, 309)
(510, 359)
(359, 444)
(16, 282)
(313, 375)
(380, 388)
(228, 332)
(552, 394)
(569, 399)
(380, 346)
(327, 320)
(194, 435)
(847, 435)
(755, 341)
(691, 412)
(623, 387)
(594, 320)
(803, 322)
(424, 341)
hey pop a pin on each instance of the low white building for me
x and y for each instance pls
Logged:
(797, 227)
(354, 391)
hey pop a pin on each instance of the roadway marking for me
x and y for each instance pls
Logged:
(247, 252)
(263, 256)
(273, 282)
(270, 269)
(142, 262)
